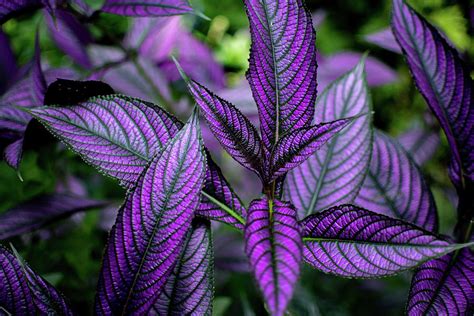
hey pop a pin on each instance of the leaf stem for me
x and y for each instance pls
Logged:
(224, 207)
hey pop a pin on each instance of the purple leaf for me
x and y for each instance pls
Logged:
(13, 153)
(350, 241)
(8, 66)
(143, 8)
(230, 127)
(335, 173)
(443, 81)
(274, 246)
(294, 148)
(394, 186)
(282, 66)
(39, 212)
(421, 143)
(385, 39)
(12, 118)
(444, 286)
(26, 293)
(70, 36)
(190, 288)
(10, 7)
(138, 262)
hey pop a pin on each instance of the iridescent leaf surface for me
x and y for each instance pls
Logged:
(143, 8)
(282, 66)
(335, 173)
(394, 185)
(444, 81)
(138, 262)
(350, 241)
(274, 246)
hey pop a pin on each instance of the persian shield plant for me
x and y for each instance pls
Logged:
(336, 193)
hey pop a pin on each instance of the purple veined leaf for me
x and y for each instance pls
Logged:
(70, 36)
(229, 252)
(158, 39)
(138, 262)
(13, 153)
(394, 185)
(25, 292)
(190, 288)
(8, 66)
(421, 143)
(385, 39)
(443, 81)
(444, 286)
(241, 96)
(230, 127)
(41, 211)
(333, 66)
(140, 79)
(12, 118)
(335, 173)
(351, 242)
(144, 8)
(282, 66)
(293, 148)
(274, 248)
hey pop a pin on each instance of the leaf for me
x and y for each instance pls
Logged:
(350, 241)
(444, 286)
(385, 39)
(229, 252)
(230, 127)
(444, 82)
(41, 211)
(190, 288)
(143, 8)
(26, 293)
(294, 148)
(138, 262)
(421, 143)
(70, 36)
(122, 149)
(273, 246)
(9, 7)
(282, 66)
(8, 65)
(394, 186)
(335, 173)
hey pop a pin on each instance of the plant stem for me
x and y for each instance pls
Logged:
(464, 227)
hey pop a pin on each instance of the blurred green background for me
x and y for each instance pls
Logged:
(71, 259)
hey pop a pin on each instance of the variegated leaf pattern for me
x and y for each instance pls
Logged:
(444, 286)
(143, 8)
(190, 288)
(394, 185)
(282, 66)
(335, 173)
(350, 241)
(151, 227)
(274, 246)
(443, 80)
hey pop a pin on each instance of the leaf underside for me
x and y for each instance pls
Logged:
(143, 8)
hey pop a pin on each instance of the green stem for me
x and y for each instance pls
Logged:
(224, 207)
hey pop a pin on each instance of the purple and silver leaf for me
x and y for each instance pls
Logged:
(444, 286)
(144, 8)
(349, 241)
(394, 185)
(138, 262)
(385, 39)
(39, 212)
(294, 148)
(444, 82)
(421, 143)
(274, 248)
(335, 173)
(70, 36)
(282, 66)
(24, 292)
(190, 288)
(230, 127)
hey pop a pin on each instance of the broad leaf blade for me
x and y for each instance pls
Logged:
(385, 39)
(143, 8)
(444, 286)
(350, 241)
(421, 143)
(230, 127)
(190, 288)
(323, 180)
(137, 262)
(273, 246)
(295, 147)
(394, 185)
(39, 212)
(444, 82)
(282, 66)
